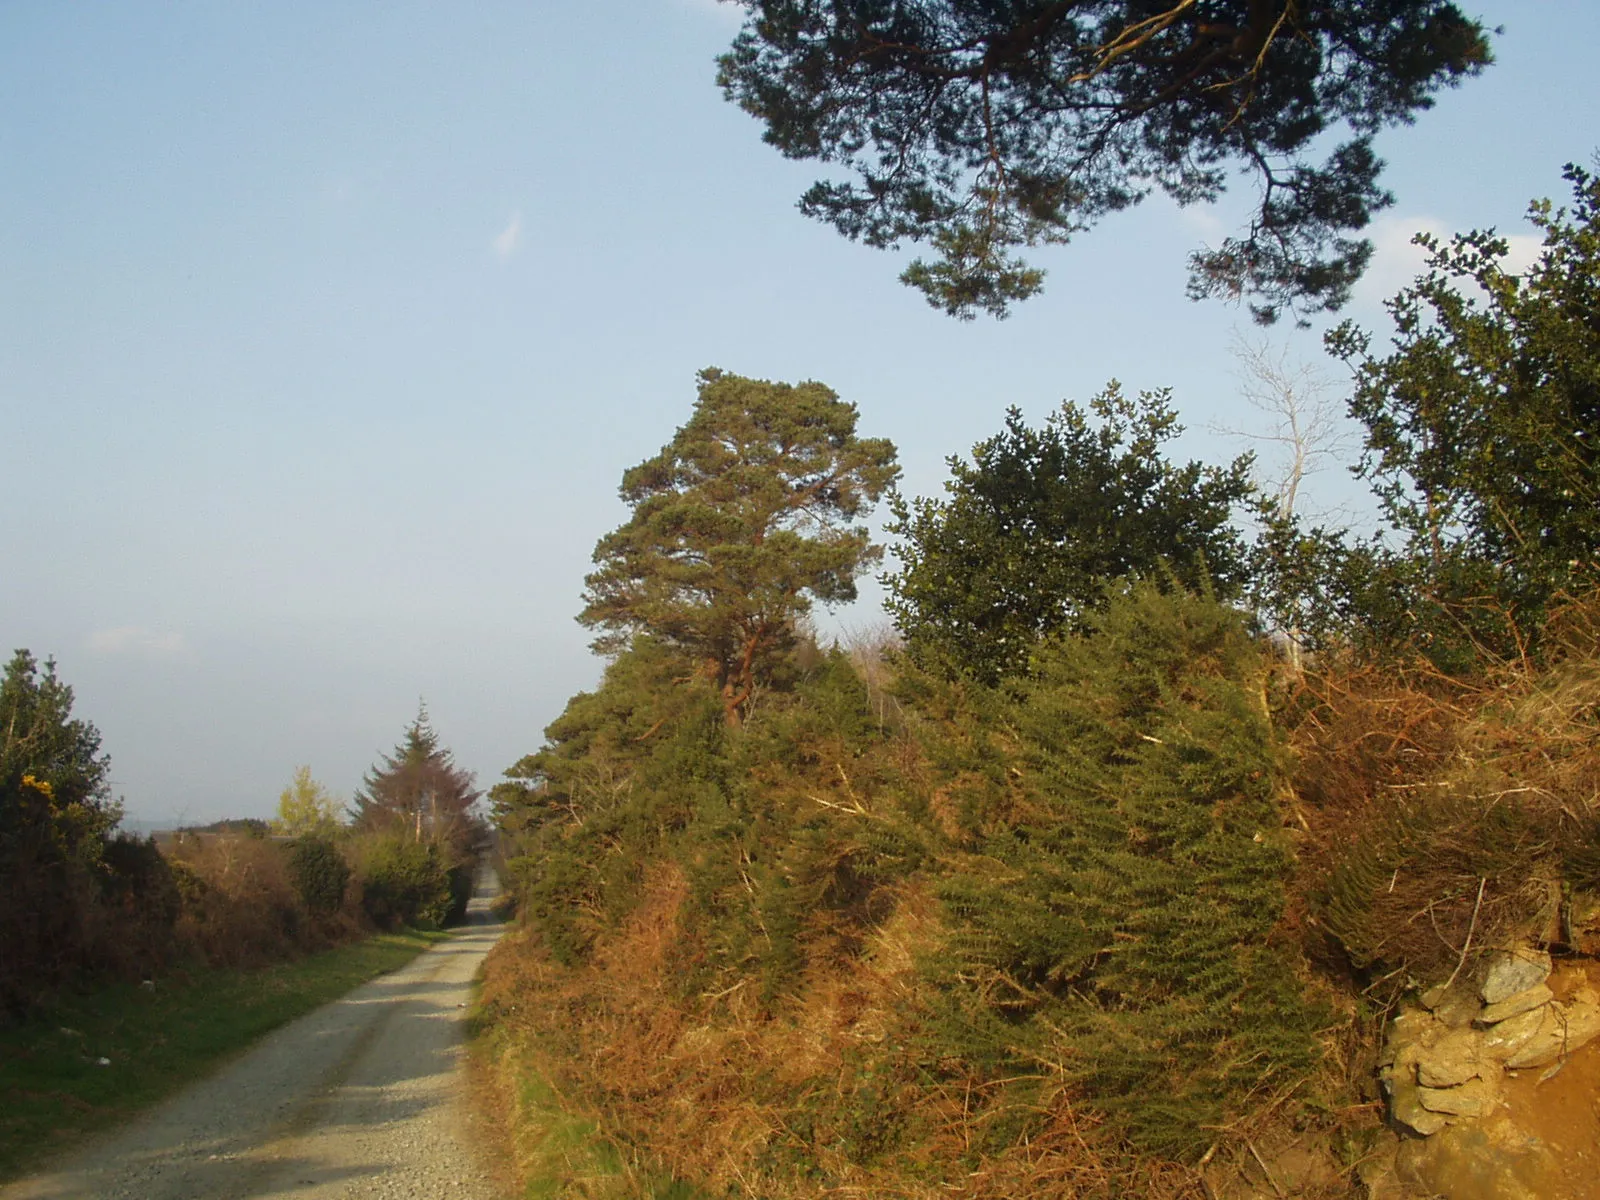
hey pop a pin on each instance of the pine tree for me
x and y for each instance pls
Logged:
(985, 129)
(739, 523)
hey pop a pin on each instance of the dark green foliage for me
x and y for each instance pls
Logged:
(1108, 846)
(39, 737)
(1116, 912)
(250, 827)
(984, 128)
(56, 815)
(320, 874)
(570, 808)
(1482, 431)
(1035, 527)
(459, 878)
(404, 882)
(1103, 826)
(743, 519)
(646, 772)
(136, 878)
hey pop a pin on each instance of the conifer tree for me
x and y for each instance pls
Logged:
(739, 523)
(418, 789)
(983, 129)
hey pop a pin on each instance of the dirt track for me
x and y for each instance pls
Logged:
(362, 1098)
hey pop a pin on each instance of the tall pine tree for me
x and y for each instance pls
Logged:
(741, 521)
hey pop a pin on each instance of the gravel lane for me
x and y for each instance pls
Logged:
(362, 1098)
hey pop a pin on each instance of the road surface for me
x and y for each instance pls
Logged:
(361, 1098)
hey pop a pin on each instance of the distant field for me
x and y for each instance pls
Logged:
(98, 1058)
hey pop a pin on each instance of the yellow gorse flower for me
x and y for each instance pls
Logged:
(39, 785)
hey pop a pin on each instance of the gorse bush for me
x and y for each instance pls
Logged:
(1115, 909)
(56, 817)
(1103, 837)
(403, 882)
(320, 873)
(1086, 893)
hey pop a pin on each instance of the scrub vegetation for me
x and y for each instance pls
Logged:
(1100, 875)
(87, 905)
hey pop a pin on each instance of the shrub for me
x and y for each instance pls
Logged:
(460, 880)
(1117, 909)
(240, 907)
(319, 873)
(403, 882)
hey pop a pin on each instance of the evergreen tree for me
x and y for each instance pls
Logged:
(418, 790)
(1033, 529)
(1483, 434)
(982, 128)
(743, 519)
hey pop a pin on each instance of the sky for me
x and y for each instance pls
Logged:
(327, 332)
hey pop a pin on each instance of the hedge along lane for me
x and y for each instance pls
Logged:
(360, 1095)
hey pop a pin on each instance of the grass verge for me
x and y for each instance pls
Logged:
(97, 1058)
(555, 1151)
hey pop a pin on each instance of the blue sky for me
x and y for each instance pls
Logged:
(326, 333)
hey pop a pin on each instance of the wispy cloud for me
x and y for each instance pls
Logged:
(509, 240)
(134, 639)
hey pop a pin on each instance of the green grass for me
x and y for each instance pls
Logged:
(560, 1148)
(53, 1087)
(561, 1153)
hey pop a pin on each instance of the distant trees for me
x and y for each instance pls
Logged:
(983, 129)
(416, 866)
(419, 790)
(740, 521)
(306, 808)
(1034, 528)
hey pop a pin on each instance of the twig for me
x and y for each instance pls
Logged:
(855, 810)
(1467, 945)
(1260, 1162)
(724, 991)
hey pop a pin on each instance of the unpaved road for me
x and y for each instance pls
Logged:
(361, 1098)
